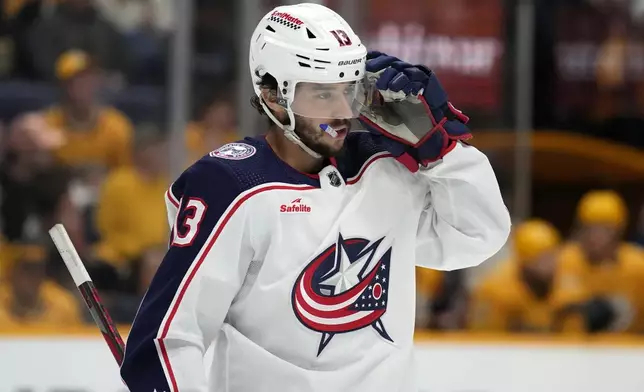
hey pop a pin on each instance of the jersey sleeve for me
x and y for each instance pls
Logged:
(172, 200)
(465, 221)
(191, 293)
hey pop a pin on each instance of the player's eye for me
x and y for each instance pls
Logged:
(324, 96)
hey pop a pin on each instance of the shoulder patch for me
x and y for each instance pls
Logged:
(234, 151)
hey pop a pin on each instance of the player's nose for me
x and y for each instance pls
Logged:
(343, 108)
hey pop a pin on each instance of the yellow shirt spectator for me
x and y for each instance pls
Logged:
(428, 282)
(525, 293)
(199, 142)
(215, 128)
(620, 279)
(95, 134)
(106, 141)
(503, 302)
(599, 260)
(131, 215)
(27, 298)
(58, 308)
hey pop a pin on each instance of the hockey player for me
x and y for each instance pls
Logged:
(293, 254)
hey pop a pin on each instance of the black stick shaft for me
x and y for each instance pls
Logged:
(103, 320)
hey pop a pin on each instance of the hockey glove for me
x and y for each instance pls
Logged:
(411, 108)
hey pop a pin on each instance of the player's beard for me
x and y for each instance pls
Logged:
(313, 137)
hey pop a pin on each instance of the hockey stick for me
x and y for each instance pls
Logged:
(84, 283)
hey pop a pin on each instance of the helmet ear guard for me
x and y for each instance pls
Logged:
(270, 95)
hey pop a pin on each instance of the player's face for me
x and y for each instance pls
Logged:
(323, 103)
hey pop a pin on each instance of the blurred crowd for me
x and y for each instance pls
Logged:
(84, 162)
(101, 169)
(590, 281)
(128, 38)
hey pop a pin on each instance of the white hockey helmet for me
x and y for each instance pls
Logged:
(308, 43)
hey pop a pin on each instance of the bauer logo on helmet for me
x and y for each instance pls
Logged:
(350, 62)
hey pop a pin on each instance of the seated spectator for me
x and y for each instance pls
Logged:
(75, 24)
(612, 270)
(441, 299)
(34, 190)
(215, 43)
(145, 25)
(27, 298)
(216, 128)
(22, 16)
(428, 282)
(525, 294)
(150, 263)
(131, 216)
(129, 16)
(123, 306)
(450, 305)
(95, 133)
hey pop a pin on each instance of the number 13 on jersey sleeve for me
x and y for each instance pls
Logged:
(188, 223)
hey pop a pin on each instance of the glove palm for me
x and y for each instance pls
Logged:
(411, 108)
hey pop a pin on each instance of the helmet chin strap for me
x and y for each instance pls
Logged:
(289, 130)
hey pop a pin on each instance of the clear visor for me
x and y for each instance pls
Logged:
(332, 100)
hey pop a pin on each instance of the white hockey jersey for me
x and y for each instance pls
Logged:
(305, 283)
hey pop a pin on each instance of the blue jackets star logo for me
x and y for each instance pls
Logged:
(344, 289)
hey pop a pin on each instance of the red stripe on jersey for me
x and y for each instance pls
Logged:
(171, 198)
(182, 291)
(328, 314)
(344, 327)
(365, 166)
